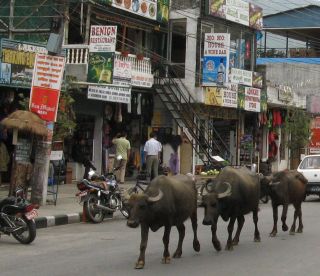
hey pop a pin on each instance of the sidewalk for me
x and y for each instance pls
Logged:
(67, 210)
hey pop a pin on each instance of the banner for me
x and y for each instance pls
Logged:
(215, 67)
(103, 38)
(46, 84)
(218, 96)
(252, 99)
(110, 94)
(240, 76)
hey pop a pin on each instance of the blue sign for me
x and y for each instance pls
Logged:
(214, 70)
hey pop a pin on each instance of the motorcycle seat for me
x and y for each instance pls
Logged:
(7, 201)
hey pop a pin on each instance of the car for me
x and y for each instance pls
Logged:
(310, 168)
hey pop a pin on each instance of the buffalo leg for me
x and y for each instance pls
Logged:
(240, 220)
(194, 221)
(229, 245)
(256, 230)
(143, 246)
(181, 229)
(297, 213)
(165, 239)
(284, 217)
(275, 220)
(215, 241)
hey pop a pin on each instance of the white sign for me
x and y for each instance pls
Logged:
(240, 76)
(122, 69)
(230, 95)
(252, 99)
(56, 155)
(237, 11)
(141, 79)
(216, 44)
(48, 71)
(103, 38)
(110, 93)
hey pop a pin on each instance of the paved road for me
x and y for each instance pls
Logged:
(111, 248)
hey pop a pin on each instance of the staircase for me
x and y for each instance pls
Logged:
(184, 110)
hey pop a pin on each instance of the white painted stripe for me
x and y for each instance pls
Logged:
(73, 218)
(51, 221)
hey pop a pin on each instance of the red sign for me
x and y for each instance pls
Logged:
(46, 85)
(44, 102)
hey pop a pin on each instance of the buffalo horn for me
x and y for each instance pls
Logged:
(156, 198)
(227, 192)
(274, 183)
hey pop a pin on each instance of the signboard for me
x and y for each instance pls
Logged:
(46, 85)
(103, 38)
(110, 93)
(141, 79)
(122, 69)
(100, 67)
(240, 76)
(313, 104)
(285, 93)
(23, 150)
(56, 155)
(237, 11)
(17, 62)
(257, 80)
(215, 66)
(222, 96)
(252, 99)
(151, 9)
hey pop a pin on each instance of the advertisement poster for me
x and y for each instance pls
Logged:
(46, 84)
(257, 80)
(17, 62)
(237, 11)
(241, 97)
(110, 94)
(163, 11)
(103, 38)
(213, 96)
(100, 68)
(215, 67)
(252, 99)
(314, 145)
(255, 17)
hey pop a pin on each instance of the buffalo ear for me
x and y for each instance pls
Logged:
(227, 192)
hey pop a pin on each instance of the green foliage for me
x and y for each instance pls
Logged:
(297, 124)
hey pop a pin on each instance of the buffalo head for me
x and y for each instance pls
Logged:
(139, 205)
(214, 205)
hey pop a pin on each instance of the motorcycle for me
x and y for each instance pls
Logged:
(17, 218)
(101, 195)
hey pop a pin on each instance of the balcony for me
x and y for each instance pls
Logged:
(77, 64)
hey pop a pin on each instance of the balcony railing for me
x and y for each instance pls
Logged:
(78, 54)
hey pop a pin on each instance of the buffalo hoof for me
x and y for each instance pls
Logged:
(299, 230)
(166, 260)
(217, 245)
(229, 247)
(196, 246)
(285, 227)
(273, 234)
(235, 242)
(139, 265)
(292, 233)
(257, 239)
(177, 254)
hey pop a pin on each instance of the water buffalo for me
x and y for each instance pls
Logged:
(235, 192)
(284, 188)
(168, 201)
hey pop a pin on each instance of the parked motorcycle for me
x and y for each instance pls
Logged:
(17, 218)
(101, 195)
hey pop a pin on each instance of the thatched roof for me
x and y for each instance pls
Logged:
(25, 121)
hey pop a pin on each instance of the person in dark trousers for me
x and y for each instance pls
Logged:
(152, 150)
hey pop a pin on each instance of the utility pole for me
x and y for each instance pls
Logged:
(11, 27)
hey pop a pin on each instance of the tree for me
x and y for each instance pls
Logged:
(297, 125)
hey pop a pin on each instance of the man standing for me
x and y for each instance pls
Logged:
(122, 148)
(152, 150)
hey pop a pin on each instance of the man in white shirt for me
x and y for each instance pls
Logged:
(152, 150)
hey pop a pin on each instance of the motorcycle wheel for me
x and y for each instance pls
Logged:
(28, 232)
(93, 213)
(124, 210)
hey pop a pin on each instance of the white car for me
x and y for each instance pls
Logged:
(310, 168)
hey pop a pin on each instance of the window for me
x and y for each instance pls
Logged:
(178, 47)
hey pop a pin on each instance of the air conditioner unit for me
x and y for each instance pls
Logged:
(54, 43)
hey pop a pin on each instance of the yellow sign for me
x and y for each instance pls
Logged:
(18, 57)
(213, 96)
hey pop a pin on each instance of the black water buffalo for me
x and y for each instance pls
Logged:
(235, 192)
(284, 188)
(168, 201)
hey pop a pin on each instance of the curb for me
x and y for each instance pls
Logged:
(49, 221)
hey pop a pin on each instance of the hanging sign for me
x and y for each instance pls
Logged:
(240, 76)
(252, 99)
(110, 93)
